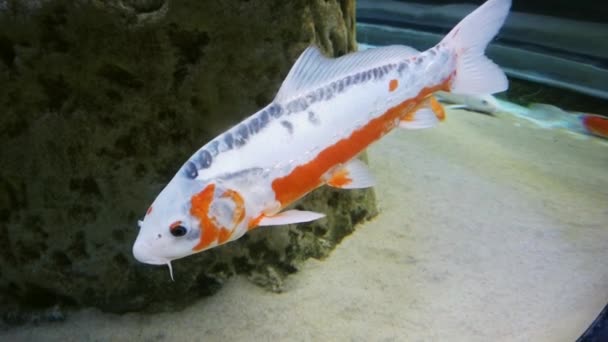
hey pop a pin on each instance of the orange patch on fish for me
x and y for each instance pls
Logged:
(224, 235)
(239, 203)
(409, 116)
(199, 207)
(596, 125)
(255, 222)
(211, 230)
(340, 179)
(306, 177)
(392, 85)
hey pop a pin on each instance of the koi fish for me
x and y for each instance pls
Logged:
(552, 117)
(483, 103)
(325, 113)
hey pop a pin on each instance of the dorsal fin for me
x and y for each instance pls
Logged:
(313, 70)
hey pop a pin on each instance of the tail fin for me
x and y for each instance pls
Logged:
(475, 73)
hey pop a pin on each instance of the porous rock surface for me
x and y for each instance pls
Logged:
(102, 101)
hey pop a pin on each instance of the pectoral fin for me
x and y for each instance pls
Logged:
(354, 175)
(289, 217)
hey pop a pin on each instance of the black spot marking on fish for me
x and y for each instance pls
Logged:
(241, 136)
(204, 159)
(375, 73)
(313, 118)
(264, 119)
(243, 131)
(275, 110)
(386, 68)
(364, 76)
(328, 93)
(370, 74)
(356, 78)
(333, 86)
(297, 105)
(214, 148)
(303, 103)
(347, 80)
(229, 140)
(340, 85)
(432, 52)
(288, 126)
(319, 94)
(254, 126)
(291, 107)
(311, 97)
(402, 67)
(190, 170)
(419, 60)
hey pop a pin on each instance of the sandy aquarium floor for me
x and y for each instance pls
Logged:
(490, 230)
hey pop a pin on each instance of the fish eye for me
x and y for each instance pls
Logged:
(484, 102)
(177, 229)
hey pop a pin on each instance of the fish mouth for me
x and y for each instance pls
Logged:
(142, 254)
(150, 261)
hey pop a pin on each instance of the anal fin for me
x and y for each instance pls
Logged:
(353, 175)
(427, 115)
(437, 108)
(289, 217)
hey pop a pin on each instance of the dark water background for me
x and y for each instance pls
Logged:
(587, 10)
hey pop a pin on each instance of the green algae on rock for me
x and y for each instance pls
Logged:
(103, 102)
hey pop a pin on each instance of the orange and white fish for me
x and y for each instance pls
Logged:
(326, 112)
(552, 117)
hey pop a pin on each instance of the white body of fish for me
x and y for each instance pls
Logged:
(326, 112)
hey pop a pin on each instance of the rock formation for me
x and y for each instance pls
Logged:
(102, 101)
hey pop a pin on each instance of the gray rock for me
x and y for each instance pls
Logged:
(101, 107)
